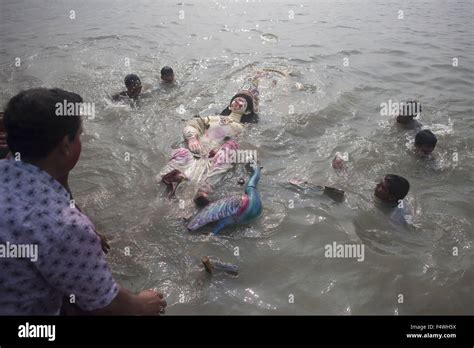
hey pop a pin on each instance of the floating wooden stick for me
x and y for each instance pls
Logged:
(213, 266)
(332, 192)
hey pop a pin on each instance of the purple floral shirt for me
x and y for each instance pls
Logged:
(36, 210)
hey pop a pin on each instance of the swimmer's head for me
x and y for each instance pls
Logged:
(167, 74)
(408, 111)
(133, 84)
(238, 105)
(392, 188)
(425, 142)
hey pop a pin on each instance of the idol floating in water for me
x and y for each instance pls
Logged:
(208, 140)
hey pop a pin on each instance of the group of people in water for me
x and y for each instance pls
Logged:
(391, 191)
(70, 274)
(134, 88)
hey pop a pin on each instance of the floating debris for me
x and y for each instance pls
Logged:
(268, 37)
(212, 266)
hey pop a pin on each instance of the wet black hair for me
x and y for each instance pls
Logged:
(131, 79)
(252, 117)
(425, 137)
(166, 70)
(397, 185)
(33, 127)
(410, 108)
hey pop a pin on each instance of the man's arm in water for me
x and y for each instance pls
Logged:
(147, 90)
(119, 96)
(147, 302)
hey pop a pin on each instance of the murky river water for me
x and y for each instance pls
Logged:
(350, 56)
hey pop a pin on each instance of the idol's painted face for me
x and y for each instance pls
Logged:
(238, 105)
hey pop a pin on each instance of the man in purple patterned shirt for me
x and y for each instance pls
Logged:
(49, 249)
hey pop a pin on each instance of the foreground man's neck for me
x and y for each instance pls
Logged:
(54, 170)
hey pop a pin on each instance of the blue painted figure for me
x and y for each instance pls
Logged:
(232, 210)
